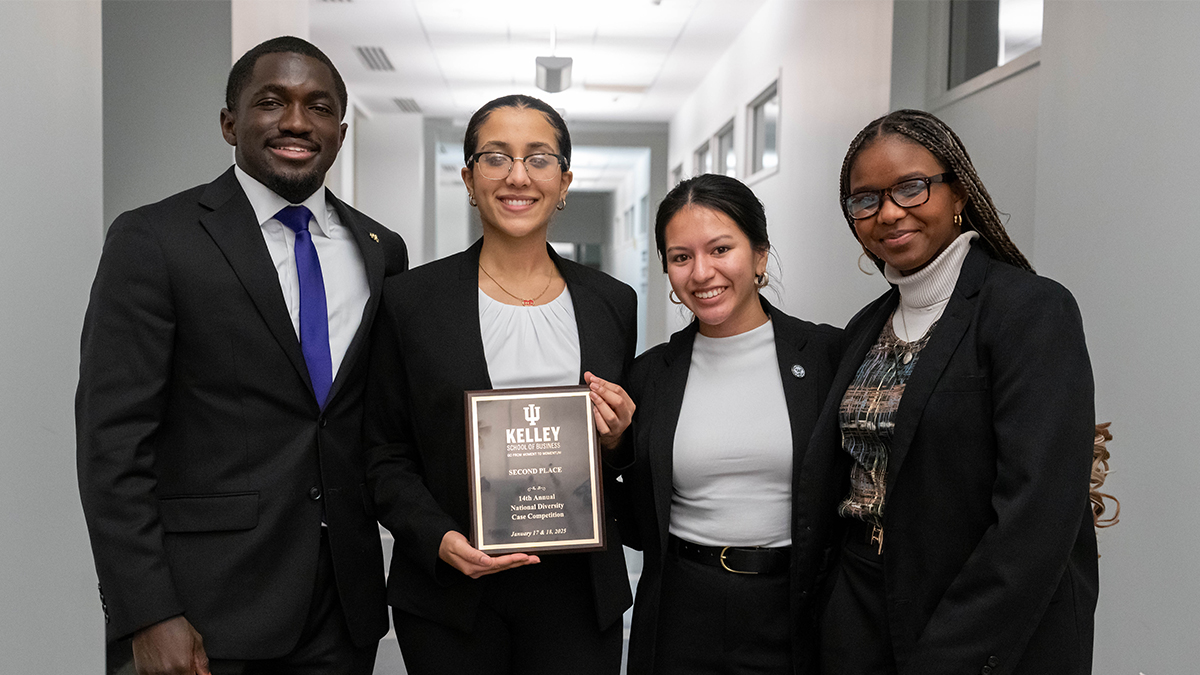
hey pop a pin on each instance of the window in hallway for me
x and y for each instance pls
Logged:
(764, 126)
(726, 155)
(985, 34)
(702, 160)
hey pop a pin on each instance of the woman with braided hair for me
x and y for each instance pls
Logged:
(949, 473)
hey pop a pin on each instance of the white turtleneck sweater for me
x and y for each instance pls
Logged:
(924, 294)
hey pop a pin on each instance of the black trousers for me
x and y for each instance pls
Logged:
(533, 620)
(715, 622)
(325, 646)
(855, 639)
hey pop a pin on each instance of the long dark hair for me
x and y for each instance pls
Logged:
(719, 193)
(934, 135)
(561, 135)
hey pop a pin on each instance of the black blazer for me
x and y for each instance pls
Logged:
(989, 548)
(204, 461)
(657, 386)
(426, 352)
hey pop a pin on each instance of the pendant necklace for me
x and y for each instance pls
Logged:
(908, 357)
(526, 302)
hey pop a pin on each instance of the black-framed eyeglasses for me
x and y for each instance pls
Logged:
(541, 166)
(906, 194)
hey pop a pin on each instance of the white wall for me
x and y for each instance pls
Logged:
(165, 68)
(390, 176)
(998, 125)
(833, 63)
(256, 21)
(1116, 172)
(51, 198)
(342, 178)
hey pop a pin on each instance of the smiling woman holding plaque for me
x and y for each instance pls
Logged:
(508, 312)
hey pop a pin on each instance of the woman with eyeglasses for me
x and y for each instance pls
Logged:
(725, 411)
(952, 461)
(507, 312)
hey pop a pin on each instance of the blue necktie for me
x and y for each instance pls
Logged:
(314, 319)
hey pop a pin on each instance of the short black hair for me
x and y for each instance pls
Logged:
(561, 135)
(720, 193)
(241, 72)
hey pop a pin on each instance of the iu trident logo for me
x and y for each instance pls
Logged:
(532, 414)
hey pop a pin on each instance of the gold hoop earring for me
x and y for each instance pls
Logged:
(471, 198)
(562, 205)
(869, 257)
(673, 298)
(958, 220)
(762, 280)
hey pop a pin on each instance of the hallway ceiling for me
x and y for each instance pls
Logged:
(634, 60)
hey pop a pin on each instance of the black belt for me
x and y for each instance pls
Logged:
(864, 536)
(736, 559)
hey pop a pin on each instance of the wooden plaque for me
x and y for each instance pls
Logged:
(535, 477)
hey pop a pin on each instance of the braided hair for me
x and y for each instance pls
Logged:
(931, 133)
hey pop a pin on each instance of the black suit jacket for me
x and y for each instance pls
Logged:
(657, 385)
(426, 352)
(204, 461)
(989, 548)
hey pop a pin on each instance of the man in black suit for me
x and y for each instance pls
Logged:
(220, 398)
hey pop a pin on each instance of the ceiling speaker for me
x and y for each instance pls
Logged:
(553, 73)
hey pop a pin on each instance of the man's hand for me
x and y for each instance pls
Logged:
(457, 552)
(170, 647)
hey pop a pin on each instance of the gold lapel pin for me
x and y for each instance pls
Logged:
(374, 236)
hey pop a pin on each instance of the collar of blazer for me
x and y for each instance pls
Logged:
(228, 223)
(800, 393)
(951, 328)
(589, 314)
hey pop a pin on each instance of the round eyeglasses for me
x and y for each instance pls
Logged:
(906, 194)
(541, 166)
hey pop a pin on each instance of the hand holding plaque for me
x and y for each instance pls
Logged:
(534, 471)
(457, 552)
(613, 408)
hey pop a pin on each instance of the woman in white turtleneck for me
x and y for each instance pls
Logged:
(724, 412)
(950, 468)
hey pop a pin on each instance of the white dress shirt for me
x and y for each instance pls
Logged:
(342, 267)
